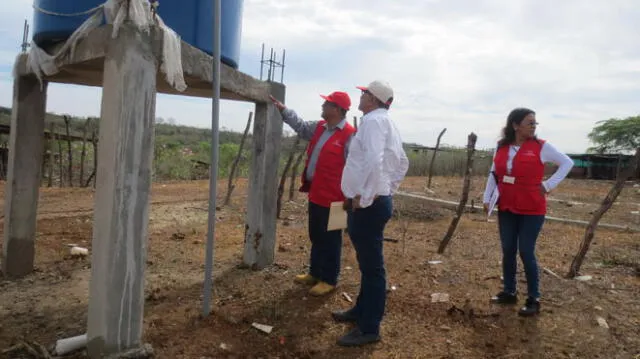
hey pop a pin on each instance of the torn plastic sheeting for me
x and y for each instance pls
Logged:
(138, 12)
(172, 57)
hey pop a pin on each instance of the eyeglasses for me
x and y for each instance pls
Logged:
(532, 124)
(365, 91)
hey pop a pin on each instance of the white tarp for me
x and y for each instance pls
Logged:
(115, 12)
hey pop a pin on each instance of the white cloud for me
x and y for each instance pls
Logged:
(459, 64)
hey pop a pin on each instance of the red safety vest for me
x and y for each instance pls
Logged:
(523, 196)
(326, 185)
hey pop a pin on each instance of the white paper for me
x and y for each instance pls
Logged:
(337, 217)
(493, 201)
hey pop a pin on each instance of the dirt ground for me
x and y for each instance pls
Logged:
(52, 303)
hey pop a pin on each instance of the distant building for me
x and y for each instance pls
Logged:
(597, 166)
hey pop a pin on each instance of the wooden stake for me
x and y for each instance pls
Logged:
(283, 178)
(51, 157)
(69, 152)
(94, 142)
(433, 157)
(604, 207)
(471, 147)
(61, 178)
(234, 168)
(83, 153)
(294, 174)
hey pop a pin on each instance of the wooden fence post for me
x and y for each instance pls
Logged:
(604, 207)
(283, 178)
(234, 168)
(294, 174)
(471, 147)
(69, 150)
(433, 157)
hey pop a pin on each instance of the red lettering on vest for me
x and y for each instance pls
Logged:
(326, 185)
(524, 195)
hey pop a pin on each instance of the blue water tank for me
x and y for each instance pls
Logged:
(192, 20)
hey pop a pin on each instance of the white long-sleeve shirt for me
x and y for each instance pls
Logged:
(377, 162)
(548, 154)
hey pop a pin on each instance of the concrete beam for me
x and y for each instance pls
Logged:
(119, 250)
(260, 234)
(86, 65)
(26, 146)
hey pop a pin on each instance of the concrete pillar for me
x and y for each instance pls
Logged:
(260, 234)
(121, 212)
(23, 177)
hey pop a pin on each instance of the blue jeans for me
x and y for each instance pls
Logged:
(326, 246)
(366, 227)
(519, 231)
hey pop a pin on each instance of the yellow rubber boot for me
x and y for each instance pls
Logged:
(321, 288)
(305, 279)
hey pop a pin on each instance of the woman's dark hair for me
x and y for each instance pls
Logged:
(515, 117)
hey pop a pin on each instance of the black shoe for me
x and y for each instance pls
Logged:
(346, 316)
(356, 338)
(531, 308)
(505, 298)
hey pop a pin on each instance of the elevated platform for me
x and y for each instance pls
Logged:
(87, 65)
(127, 68)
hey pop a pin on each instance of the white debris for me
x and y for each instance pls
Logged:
(347, 297)
(79, 252)
(439, 297)
(602, 322)
(583, 278)
(262, 327)
(435, 262)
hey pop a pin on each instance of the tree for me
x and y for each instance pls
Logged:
(616, 135)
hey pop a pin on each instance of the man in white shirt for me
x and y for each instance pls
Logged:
(375, 167)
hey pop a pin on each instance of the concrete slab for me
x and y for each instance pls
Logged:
(86, 65)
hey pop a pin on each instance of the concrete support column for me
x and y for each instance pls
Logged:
(121, 214)
(260, 234)
(23, 177)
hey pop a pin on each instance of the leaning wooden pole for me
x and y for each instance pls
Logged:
(433, 157)
(94, 142)
(471, 148)
(283, 178)
(234, 168)
(294, 174)
(604, 207)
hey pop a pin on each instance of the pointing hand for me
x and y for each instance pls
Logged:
(279, 105)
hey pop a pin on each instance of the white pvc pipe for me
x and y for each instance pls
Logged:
(68, 345)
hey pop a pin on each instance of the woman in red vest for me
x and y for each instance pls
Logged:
(326, 157)
(517, 176)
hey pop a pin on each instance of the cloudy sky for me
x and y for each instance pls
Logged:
(459, 64)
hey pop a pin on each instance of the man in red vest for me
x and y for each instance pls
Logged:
(326, 157)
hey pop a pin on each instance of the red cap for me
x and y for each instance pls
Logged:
(339, 98)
